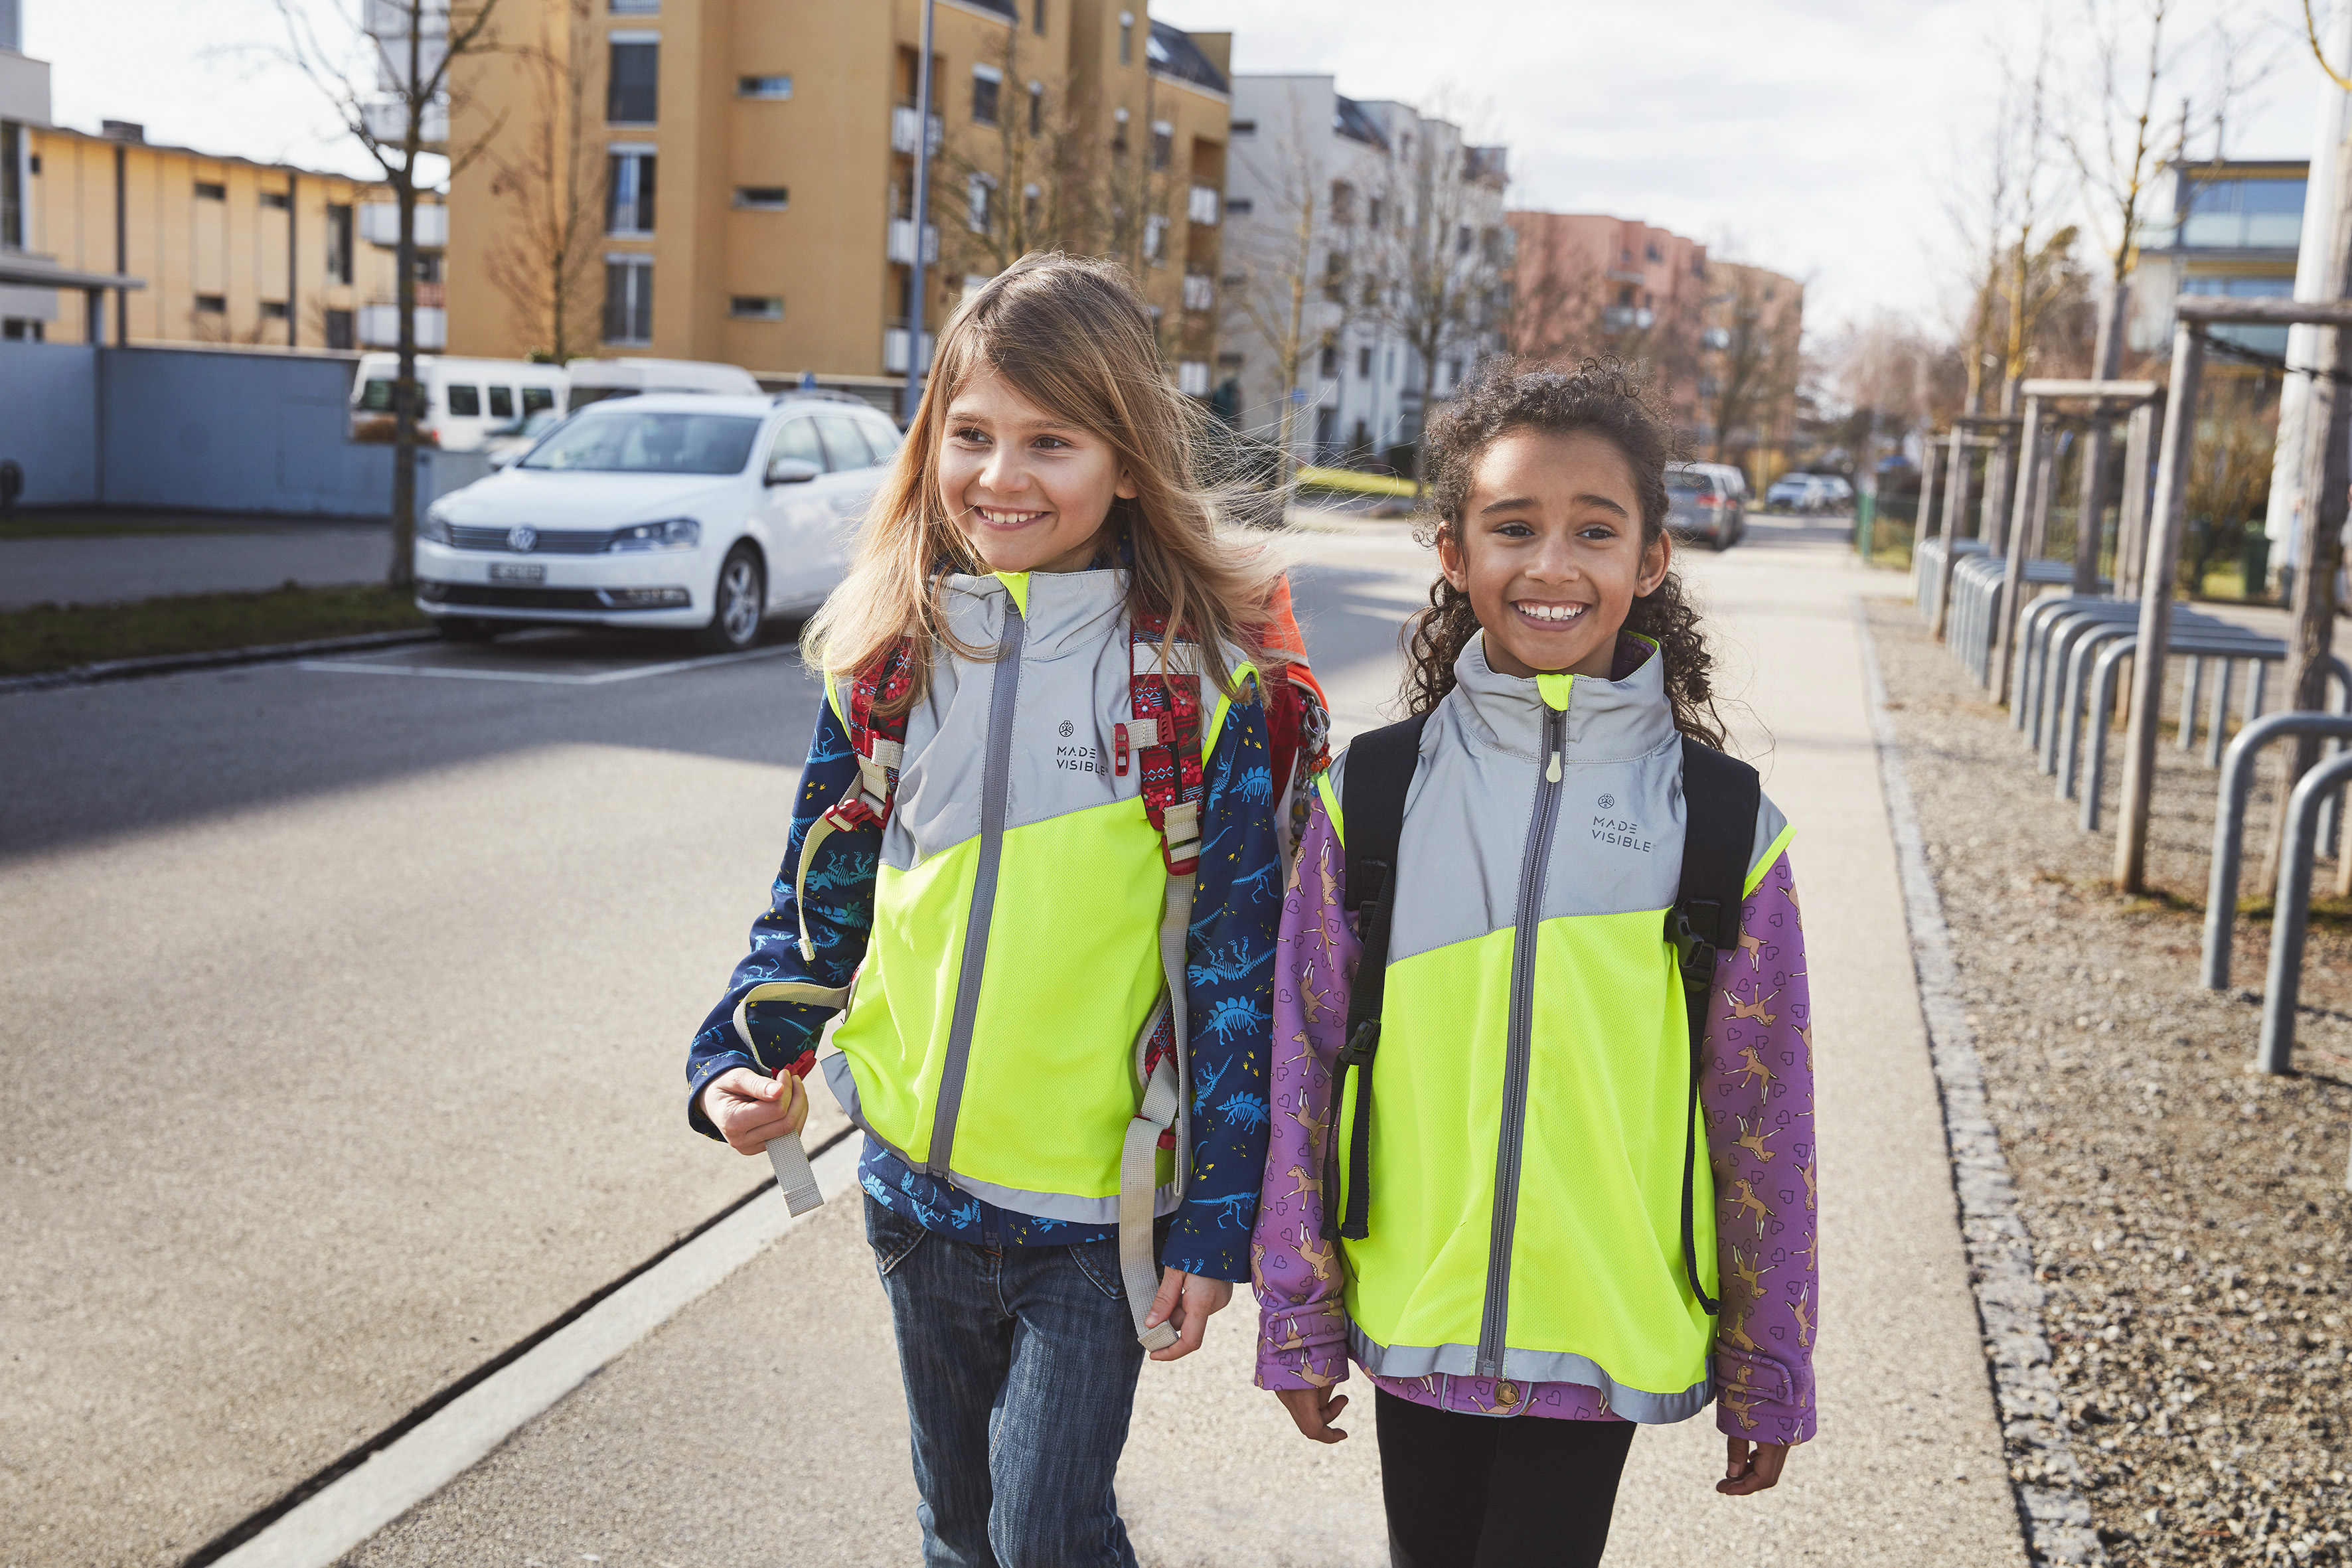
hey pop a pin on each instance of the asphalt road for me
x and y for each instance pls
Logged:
(97, 569)
(342, 1023)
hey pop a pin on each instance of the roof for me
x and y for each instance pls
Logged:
(1349, 119)
(364, 181)
(1171, 52)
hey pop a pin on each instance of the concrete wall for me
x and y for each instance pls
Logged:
(199, 429)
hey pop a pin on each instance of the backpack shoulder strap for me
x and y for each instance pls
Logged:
(1380, 765)
(1720, 798)
(879, 742)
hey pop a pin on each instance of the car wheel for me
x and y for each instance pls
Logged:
(465, 628)
(738, 606)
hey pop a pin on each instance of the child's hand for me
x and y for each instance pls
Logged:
(750, 1109)
(1751, 1467)
(1314, 1410)
(1186, 1300)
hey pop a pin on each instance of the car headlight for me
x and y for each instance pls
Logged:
(434, 526)
(676, 533)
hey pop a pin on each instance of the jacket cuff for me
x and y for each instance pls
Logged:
(1761, 1399)
(706, 1069)
(1302, 1347)
(1205, 1245)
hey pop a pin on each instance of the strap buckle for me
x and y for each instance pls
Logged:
(1694, 953)
(1362, 1044)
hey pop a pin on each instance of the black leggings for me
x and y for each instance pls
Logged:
(1479, 1491)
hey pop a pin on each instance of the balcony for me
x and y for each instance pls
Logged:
(902, 241)
(1626, 318)
(893, 350)
(380, 225)
(1200, 291)
(387, 121)
(380, 327)
(902, 131)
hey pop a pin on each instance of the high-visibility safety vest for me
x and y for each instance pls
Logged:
(1020, 905)
(1532, 1081)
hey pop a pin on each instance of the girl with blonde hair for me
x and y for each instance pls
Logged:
(1038, 824)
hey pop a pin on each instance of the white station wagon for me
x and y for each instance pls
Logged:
(673, 511)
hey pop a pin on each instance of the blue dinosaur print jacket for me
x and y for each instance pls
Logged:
(1237, 909)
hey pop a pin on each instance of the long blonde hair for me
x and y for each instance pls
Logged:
(1072, 337)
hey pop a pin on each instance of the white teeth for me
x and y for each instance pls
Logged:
(1552, 612)
(1008, 517)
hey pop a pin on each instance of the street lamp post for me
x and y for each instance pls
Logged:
(917, 301)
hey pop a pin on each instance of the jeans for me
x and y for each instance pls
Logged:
(1020, 1365)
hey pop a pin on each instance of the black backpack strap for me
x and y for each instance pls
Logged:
(1372, 807)
(1720, 797)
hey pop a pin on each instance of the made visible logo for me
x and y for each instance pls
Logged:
(1618, 832)
(1067, 730)
(521, 538)
(1606, 802)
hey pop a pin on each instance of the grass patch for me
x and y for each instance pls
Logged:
(49, 637)
(97, 523)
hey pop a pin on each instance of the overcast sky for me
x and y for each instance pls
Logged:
(1814, 137)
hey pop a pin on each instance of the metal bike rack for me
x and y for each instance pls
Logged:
(2025, 697)
(2292, 923)
(2230, 826)
(2103, 706)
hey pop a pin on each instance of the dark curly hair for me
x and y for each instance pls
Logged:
(1606, 399)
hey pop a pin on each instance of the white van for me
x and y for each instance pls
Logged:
(465, 401)
(594, 379)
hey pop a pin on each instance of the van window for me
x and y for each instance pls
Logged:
(581, 396)
(883, 437)
(502, 403)
(797, 439)
(535, 398)
(845, 443)
(376, 397)
(465, 402)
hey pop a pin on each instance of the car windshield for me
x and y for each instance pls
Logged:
(649, 442)
(1687, 484)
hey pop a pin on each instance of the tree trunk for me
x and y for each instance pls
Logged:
(2091, 498)
(1421, 439)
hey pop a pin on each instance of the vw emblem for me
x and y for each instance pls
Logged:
(521, 538)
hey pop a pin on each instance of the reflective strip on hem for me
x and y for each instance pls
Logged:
(1064, 1206)
(1533, 1366)
(1777, 847)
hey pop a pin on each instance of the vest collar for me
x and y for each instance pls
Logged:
(1061, 609)
(1608, 721)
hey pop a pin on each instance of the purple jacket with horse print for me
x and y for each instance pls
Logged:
(1756, 1089)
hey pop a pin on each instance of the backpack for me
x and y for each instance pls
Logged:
(1720, 795)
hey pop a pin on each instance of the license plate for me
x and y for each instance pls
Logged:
(502, 573)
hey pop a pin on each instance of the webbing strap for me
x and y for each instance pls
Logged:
(1720, 796)
(1380, 765)
(1163, 1112)
(786, 1155)
(879, 744)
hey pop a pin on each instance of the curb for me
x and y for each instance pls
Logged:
(170, 663)
(2044, 1476)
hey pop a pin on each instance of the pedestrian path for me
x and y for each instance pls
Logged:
(99, 569)
(764, 1422)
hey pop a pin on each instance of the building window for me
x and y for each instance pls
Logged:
(628, 300)
(1163, 144)
(1192, 377)
(1463, 240)
(987, 82)
(2241, 215)
(211, 191)
(1127, 37)
(762, 198)
(756, 307)
(979, 194)
(629, 193)
(1118, 133)
(1037, 17)
(1201, 208)
(12, 185)
(1372, 211)
(1453, 373)
(1343, 202)
(1200, 291)
(635, 7)
(1650, 252)
(1155, 238)
(338, 242)
(339, 330)
(1329, 367)
(1242, 128)
(633, 89)
(763, 86)
(1240, 206)
(273, 310)
(277, 201)
(211, 305)
(1031, 195)
(1364, 362)
(1036, 108)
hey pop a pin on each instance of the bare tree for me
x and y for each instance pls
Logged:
(1272, 281)
(546, 258)
(1756, 337)
(1027, 178)
(1557, 292)
(384, 66)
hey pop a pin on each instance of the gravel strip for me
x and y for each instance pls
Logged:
(2189, 1219)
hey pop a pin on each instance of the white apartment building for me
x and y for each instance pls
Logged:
(1325, 195)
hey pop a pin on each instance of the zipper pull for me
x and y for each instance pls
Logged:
(1552, 773)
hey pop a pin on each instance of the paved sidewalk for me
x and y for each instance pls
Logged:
(765, 1422)
(105, 568)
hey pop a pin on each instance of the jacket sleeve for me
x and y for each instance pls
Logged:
(1302, 1326)
(840, 914)
(1756, 1090)
(1229, 975)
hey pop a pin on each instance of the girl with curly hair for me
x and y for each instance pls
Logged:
(1585, 1200)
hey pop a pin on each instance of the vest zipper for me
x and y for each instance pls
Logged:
(1495, 1321)
(995, 783)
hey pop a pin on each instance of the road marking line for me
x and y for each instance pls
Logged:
(542, 678)
(342, 1515)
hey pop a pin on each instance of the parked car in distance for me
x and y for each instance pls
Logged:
(685, 511)
(1700, 505)
(594, 379)
(510, 447)
(463, 402)
(1809, 493)
(1734, 477)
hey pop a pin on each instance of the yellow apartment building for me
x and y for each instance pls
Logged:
(733, 180)
(231, 251)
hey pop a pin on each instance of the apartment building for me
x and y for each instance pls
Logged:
(32, 283)
(2235, 227)
(1592, 284)
(1335, 206)
(1749, 367)
(746, 173)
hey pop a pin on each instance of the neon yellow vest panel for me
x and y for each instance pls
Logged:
(1531, 1082)
(1015, 947)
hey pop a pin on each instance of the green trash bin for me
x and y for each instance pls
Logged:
(2254, 562)
(1865, 513)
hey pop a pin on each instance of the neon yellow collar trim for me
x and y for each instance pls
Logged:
(1017, 585)
(1554, 685)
